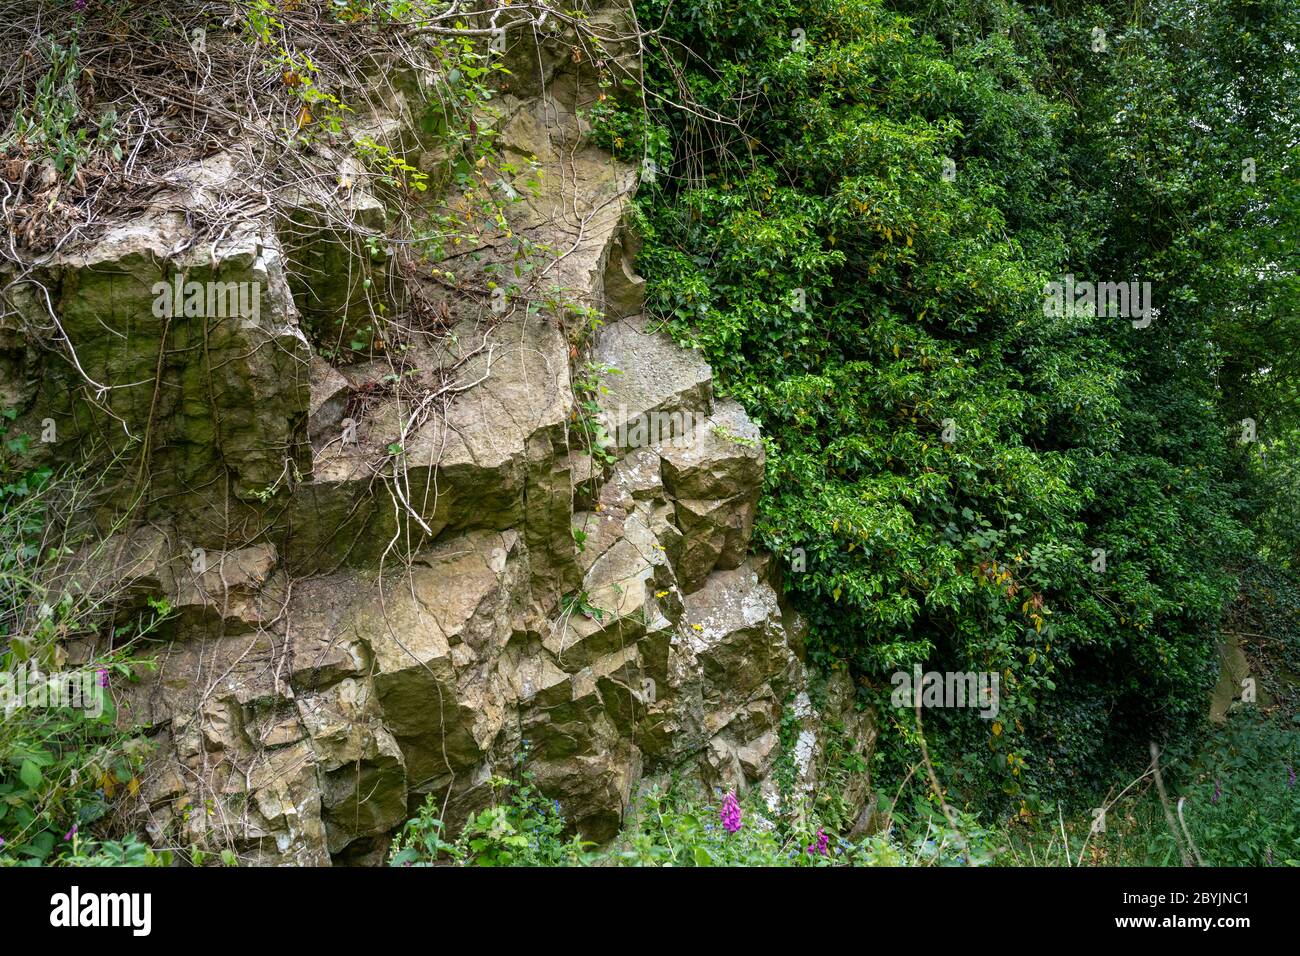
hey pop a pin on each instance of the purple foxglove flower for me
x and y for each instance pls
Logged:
(821, 846)
(730, 814)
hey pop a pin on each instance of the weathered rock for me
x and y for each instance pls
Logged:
(737, 635)
(1230, 688)
(403, 576)
(724, 460)
(235, 743)
(436, 633)
(232, 591)
(715, 480)
(490, 455)
(330, 392)
(151, 361)
(362, 769)
(338, 260)
(657, 384)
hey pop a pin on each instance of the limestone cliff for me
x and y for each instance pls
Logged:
(397, 570)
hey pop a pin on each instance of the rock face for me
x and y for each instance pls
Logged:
(400, 578)
(161, 360)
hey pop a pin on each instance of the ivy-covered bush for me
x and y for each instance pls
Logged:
(854, 209)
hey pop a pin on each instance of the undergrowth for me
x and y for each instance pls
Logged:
(65, 764)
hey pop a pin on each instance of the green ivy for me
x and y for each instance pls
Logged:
(856, 208)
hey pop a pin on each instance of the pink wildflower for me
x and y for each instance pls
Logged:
(821, 847)
(730, 813)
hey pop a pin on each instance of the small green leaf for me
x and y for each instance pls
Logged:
(30, 774)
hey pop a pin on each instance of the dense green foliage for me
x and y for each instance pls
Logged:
(519, 828)
(854, 209)
(1241, 796)
(63, 760)
(948, 455)
(1237, 809)
(681, 828)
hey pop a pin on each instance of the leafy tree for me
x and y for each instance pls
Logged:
(858, 206)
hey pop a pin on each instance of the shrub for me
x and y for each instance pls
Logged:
(859, 246)
(62, 763)
(520, 828)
